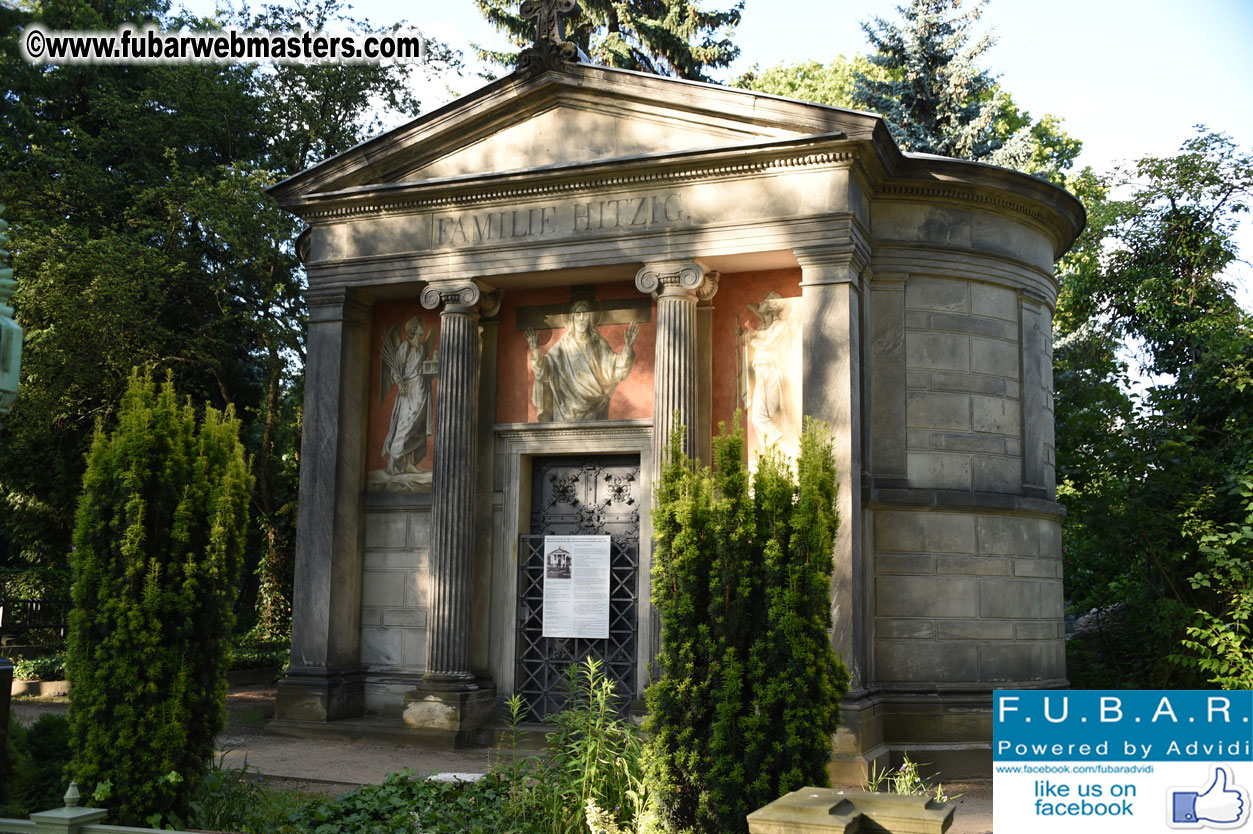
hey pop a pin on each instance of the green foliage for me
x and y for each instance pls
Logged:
(907, 780)
(936, 99)
(248, 653)
(38, 757)
(252, 653)
(749, 691)
(592, 767)
(46, 668)
(924, 78)
(666, 37)
(144, 237)
(34, 582)
(1218, 643)
(403, 805)
(1040, 148)
(592, 770)
(832, 83)
(157, 554)
(236, 799)
(1152, 480)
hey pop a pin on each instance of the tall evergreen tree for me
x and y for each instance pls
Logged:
(157, 552)
(936, 98)
(1040, 147)
(666, 37)
(749, 691)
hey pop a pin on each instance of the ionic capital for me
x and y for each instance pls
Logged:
(465, 297)
(677, 278)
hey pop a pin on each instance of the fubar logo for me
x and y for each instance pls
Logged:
(1113, 762)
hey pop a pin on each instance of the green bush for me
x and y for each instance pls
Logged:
(749, 692)
(405, 805)
(38, 756)
(47, 668)
(260, 654)
(157, 552)
(267, 654)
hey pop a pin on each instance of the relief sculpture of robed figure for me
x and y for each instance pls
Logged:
(578, 376)
(405, 366)
(769, 356)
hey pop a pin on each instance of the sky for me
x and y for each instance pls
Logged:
(1129, 77)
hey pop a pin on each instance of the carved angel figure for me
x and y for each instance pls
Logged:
(577, 377)
(766, 355)
(403, 367)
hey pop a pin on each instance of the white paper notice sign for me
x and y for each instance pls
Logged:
(576, 586)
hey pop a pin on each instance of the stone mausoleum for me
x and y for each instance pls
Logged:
(508, 298)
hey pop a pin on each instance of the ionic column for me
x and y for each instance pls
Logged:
(453, 480)
(677, 286)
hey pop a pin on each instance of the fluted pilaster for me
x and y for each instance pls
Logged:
(453, 480)
(677, 287)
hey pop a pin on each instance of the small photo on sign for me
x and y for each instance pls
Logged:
(558, 565)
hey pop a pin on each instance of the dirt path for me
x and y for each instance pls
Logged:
(336, 767)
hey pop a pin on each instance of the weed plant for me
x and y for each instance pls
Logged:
(907, 780)
(592, 770)
(237, 799)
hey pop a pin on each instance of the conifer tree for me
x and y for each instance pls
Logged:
(749, 691)
(157, 552)
(935, 97)
(679, 702)
(666, 37)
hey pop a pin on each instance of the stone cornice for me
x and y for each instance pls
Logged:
(595, 430)
(651, 170)
(887, 176)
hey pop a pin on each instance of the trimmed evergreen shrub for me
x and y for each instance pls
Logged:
(749, 692)
(157, 552)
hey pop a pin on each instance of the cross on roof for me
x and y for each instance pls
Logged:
(549, 17)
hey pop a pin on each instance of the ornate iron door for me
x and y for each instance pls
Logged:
(571, 496)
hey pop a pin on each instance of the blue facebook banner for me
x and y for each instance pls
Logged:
(1123, 726)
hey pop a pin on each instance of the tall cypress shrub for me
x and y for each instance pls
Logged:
(749, 692)
(680, 708)
(157, 551)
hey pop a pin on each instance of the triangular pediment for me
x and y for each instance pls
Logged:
(584, 114)
(584, 129)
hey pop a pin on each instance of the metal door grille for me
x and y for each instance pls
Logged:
(570, 497)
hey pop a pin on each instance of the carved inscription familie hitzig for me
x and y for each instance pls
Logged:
(581, 217)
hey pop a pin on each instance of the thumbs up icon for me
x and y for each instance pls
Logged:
(1223, 804)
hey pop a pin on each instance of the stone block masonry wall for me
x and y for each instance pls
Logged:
(963, 597)
(395, 597)
(963, 388)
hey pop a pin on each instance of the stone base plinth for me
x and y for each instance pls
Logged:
(457, 714)
(320, 694)
(858, 744)
(831, 810)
